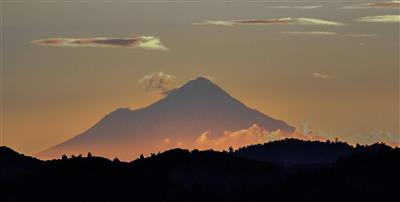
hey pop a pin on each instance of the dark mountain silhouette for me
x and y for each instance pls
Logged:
(369, 173)
(294, 151)
(184, 114)
(13, 164)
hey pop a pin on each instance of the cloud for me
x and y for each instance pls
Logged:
(159, 83)
(361, 35)
(298, 7)
(389, 138)
(381, 19)
(323, 76)
(252, 135)
(272, 21)
(215, 22)
(167, 140)
(310, 33)
(325, 33)
(144, 42)
(387, 4)
(258, 135)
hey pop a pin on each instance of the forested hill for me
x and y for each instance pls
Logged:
(367, 173)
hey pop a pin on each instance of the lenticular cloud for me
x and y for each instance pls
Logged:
(144, 42)
(271, 21)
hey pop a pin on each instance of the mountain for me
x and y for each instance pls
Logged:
(176, 120)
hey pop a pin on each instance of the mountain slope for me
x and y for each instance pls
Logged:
(181, 116)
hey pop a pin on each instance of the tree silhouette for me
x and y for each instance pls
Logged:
(230, 150)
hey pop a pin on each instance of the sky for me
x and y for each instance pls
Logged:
(332, 65)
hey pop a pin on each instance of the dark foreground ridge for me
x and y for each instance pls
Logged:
(363, 173)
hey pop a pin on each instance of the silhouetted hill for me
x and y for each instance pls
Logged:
(13, 164)
(208, 168)
(369, 173)
(294, 151)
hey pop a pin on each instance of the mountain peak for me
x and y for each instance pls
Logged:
(198, 86)
(200, 81)
(199, 89)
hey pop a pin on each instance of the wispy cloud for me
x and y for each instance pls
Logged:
(361, 35)
(326, 33)
(144, 42)
(323, 76)
(387, 4)
(159, 83)
(309, 33)
(272, 21)
(298, 7)
(216, 22)
(381, 19)
(387, 137)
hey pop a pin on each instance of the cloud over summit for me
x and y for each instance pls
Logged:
(159, 83)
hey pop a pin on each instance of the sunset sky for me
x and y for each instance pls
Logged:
(331, 65)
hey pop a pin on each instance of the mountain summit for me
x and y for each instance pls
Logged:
(176, 120)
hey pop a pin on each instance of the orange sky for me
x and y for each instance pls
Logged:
(51, 94)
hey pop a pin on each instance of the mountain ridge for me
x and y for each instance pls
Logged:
(369, 173)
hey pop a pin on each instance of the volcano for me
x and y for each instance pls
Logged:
(176, 120)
